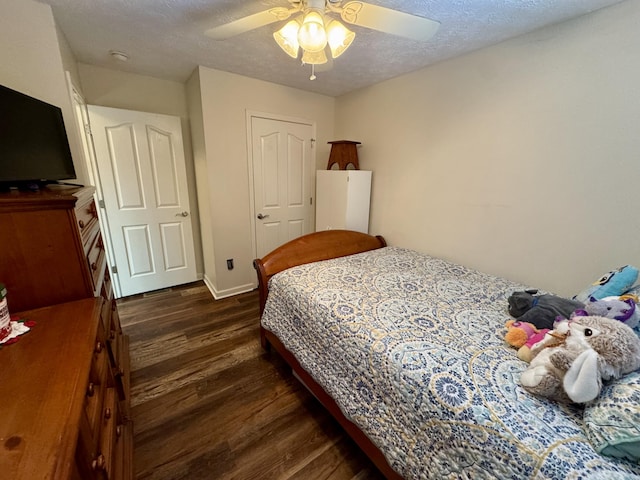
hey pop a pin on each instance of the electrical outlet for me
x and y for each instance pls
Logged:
(230, 264)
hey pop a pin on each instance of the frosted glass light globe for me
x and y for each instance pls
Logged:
(312, 36)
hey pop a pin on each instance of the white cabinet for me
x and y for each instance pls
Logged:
(342, 200)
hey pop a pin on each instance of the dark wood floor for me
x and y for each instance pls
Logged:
(209, 403)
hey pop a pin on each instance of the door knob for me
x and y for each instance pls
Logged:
(182, 214)
(261, 216)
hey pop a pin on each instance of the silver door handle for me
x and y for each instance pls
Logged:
(261, 216)
(183, 214)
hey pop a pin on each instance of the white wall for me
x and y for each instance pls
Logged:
(112, 88)
(69, 62)
(31, 62)
(194, 102)
(225, 99)
(521, 159)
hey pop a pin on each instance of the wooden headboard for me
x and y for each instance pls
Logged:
(312, 248)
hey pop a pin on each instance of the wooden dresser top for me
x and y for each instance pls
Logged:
(43, 380)
(53, 196)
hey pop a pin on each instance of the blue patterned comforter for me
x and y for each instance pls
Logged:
(411, 347)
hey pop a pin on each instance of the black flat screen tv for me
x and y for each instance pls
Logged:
(34, 149)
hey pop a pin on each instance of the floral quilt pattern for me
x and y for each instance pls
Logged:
(412, 349)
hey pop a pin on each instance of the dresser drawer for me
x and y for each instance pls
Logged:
(124, 451)
(118, 351)
(108, 437)
(105, 290)
(96, 259)
(105, 316)
(87, 217)
(97, 384)
(112, 334)
(125, 377)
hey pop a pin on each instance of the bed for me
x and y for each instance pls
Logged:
(407, 352)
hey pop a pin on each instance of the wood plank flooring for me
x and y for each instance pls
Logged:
(209, 403)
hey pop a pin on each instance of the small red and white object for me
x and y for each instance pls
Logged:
(5, 318)
(11, 327)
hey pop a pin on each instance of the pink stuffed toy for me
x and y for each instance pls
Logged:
(523, 335)
(518, 332)
(524, 352)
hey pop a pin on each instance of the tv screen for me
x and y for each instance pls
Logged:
(34, 148)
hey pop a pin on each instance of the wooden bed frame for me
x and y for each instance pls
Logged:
(307, 249)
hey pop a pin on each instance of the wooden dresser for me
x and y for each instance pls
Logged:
(51, 252)
(51, 248)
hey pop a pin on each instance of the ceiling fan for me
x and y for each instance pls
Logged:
(319, 35)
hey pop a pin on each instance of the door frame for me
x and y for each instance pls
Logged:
(83, 126)
(250, 114)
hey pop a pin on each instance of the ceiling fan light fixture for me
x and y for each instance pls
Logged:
(339, 38)
(312, 36)
(287, 38)
(314, 58)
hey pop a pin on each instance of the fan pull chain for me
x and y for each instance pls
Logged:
(313, 72)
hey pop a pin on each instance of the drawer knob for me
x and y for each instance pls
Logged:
(107, 413)
(119, 431)
(99, 463)
(91, 389)
(81, 223)
(98, 347)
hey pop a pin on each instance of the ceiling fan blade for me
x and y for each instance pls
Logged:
(228, 30)
(389, 21)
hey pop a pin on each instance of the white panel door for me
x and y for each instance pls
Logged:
(142, 172)
(283, 178)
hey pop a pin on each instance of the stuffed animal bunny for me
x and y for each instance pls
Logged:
(595, 349)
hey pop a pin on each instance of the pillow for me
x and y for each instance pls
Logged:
(612, 421)
(611, 284)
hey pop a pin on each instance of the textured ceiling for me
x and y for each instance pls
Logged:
(165, 38)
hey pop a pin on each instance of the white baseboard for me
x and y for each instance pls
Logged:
(219, 294)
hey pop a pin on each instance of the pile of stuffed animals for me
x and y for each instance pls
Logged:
(573, 345)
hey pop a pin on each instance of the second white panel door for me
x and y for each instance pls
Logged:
(283, 177)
